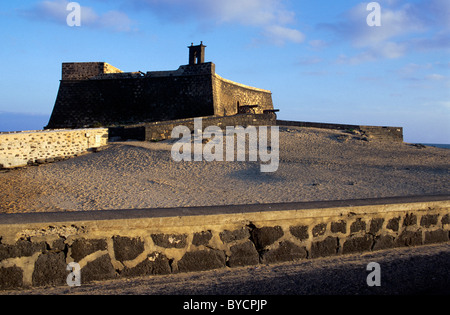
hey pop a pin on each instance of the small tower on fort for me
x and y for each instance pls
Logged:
(196, 54)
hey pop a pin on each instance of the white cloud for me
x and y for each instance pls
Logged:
(410, 70)
(445, 104)
(438, 41)
(318, 44)
(250, 12)
(309, 61)
(271, 16)
(389, 50)
(115, 20)
(435, 77)
(279, 34)
(56, 11)
(247, 12)
(419, 26)
(394, 23)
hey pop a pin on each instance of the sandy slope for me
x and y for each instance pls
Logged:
(314, 165)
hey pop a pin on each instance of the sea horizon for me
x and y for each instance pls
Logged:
(437, 145)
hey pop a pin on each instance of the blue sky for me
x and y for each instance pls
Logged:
(320, 59)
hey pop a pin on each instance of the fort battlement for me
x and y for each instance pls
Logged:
(86, 70)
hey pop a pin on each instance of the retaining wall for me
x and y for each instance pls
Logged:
(393, 134)
(27, 147)
(163, 130)
(35, 249)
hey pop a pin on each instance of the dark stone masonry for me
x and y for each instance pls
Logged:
(114, 256)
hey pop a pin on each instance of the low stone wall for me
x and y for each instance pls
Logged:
(28, 147)
(35, 249)
(393, 134)
(163, 130)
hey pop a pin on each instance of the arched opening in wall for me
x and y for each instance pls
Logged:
(196, 58)
(238, 106)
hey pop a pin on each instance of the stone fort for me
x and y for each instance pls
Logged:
(93, 94)
(98, 103)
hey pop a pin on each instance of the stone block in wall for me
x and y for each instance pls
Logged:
(393, 224)
(202, 238)
(300, 232)
(445, 219)
(202, 260)
(327, 247)
(376, 225)
(357, 244)
(22, 248)
(410, 219)
(154, 264)
(266, 236)
(437, 236)
(57, 245)
(339, 227)
(429, 220)
(409, 238)
(83, 247)
(244, 254)
(11, 278)
(50, 269)
(231, 236)
(383, 242)
(286, 251)
(99, 269)
(358, 226)
(170, 240)
(319, 229)
(126, 248)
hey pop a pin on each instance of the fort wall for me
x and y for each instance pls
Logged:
(392, 134)
(101, 101)
(162, 130)
(230, 98)
(97, 94)
(29, 147)
(35, 249)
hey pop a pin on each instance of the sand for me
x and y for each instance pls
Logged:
(315, 164)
